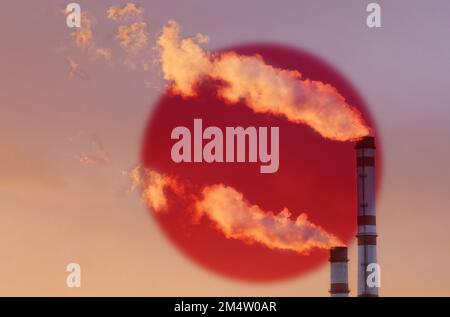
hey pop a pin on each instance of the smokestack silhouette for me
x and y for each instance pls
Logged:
(367, 234)
(338, 272)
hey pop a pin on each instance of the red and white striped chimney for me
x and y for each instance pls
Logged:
(339, 272)
(367, 233)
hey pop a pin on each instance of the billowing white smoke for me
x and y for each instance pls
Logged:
(264, 88)
(237, 219)
(234, 216)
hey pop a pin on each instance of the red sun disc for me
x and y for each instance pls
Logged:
(316, 175)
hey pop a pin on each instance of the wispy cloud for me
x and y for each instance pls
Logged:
(83, 38)
(129, 10)
(75, 69)
(134, 37)
(96, 155)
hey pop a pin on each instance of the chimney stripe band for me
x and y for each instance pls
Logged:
(365, 161)
(339, 288)
(368, 295)
(366, 143)
(367, 240)
(338, 254)
(366, 220)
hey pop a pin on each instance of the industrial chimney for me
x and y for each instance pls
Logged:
(339, 272)
(367, 234)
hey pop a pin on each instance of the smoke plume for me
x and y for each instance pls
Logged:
(103, 53)
(98, 154)
(237, 219)
(264, 88)
(130, 10)
(233, 216)
(133, 37)
(83, 38)
(75, 69)
(153, 186)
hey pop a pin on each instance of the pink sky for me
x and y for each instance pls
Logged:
(54, 210)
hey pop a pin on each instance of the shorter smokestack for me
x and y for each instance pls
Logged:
(339, 272)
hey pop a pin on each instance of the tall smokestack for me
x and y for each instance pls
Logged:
(339, 272)
(367, 233)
